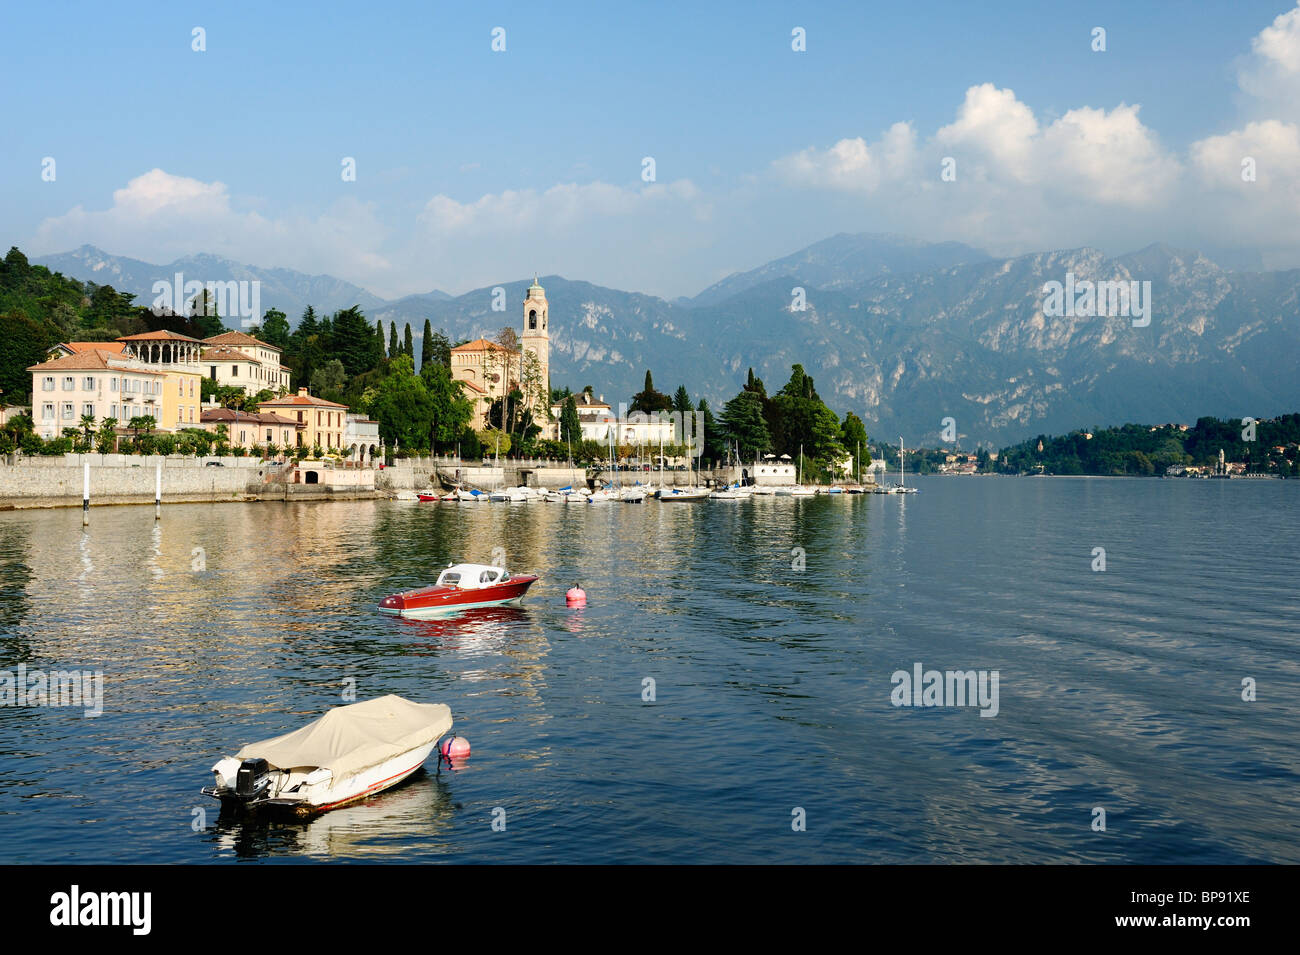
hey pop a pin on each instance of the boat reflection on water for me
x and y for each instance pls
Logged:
(484, 629)
(390, 823)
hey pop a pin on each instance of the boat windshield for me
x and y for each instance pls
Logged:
(449, 578)
(487, 576)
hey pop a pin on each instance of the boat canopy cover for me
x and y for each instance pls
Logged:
(349, 739)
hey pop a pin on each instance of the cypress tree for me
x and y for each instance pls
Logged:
(426, 344)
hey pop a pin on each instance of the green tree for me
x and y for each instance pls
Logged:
(275, 328)
(408, 347)
(853, 436)
(23, 342)
(392, 340)
(570, 424)
(744, 425)
(682, 402)
(353, 342)
(715, 443)
(426, 345)
(650, 401)
(449, 409)
(327, 381)
(106, 437)
(402, 406)
(495, 442)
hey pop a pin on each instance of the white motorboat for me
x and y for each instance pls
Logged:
(763, 490)
(470, 496)
(685, 494)
(802, 490)
(601, 495)
(632, 495)
(732, 493)
(350, 753)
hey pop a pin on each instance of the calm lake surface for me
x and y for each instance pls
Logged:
(1119, 690)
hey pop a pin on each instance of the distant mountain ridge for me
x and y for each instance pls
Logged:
(903, 348)
(285, 289)
(844, 260)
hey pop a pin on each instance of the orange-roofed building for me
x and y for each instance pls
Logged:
(239, 360)
(323, 422)
(177, 356)
(99, 383)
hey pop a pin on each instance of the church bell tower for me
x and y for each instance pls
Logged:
(537, 337)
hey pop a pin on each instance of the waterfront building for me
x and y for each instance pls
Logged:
(361, 438)
(599, 421)
(177, 356)
(237, 360)
(489, 370)
(244, 429)
(323, 422)
(101, 384)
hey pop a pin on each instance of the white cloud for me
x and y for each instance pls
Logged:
(561, 207)
(1271, 74)
(853, 164)
(159, 216)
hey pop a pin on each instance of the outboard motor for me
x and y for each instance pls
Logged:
(254, 777)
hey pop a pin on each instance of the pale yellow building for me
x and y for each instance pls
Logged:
(177, 356)
(101, 384)
(321, 422)
(237, 360)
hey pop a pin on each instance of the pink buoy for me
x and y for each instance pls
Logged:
(455, 748)
(576, 597)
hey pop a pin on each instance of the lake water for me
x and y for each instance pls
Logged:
(1118, 690)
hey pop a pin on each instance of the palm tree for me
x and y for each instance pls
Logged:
(87, 429)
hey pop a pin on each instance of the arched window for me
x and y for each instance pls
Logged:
(532, 318)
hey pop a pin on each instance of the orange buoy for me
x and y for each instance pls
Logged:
(576, 597)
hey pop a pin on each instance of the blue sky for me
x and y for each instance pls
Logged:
(475, 166)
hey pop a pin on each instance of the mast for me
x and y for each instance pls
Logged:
(902, 482)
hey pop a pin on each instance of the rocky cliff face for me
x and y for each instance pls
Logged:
(905, 344)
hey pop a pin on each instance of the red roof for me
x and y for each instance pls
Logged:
(159, 336)
(301, 399)
(96, 361)
(233, 416)
(237, 338)
(480, 344)
(226, 353)
(115, 347)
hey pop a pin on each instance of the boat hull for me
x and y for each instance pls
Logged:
(363, 785)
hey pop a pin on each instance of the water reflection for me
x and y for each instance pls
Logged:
(1115, 686)
(393, 823)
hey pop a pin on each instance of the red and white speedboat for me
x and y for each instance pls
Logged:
(460, 587)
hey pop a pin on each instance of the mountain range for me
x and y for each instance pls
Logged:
(902, 332)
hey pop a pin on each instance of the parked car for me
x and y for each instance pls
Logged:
(216, 464)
